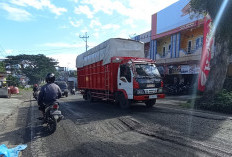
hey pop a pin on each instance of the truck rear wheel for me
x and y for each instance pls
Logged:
(123, 101)
(150, 103)
(89, 96)
(85, 96)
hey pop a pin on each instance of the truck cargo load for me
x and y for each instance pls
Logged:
(116, 70)
(110, 48)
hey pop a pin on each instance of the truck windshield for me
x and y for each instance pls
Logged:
(146, 70)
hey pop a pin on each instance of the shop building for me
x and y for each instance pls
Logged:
(176, 43)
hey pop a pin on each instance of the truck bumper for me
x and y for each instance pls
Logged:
(147, 97)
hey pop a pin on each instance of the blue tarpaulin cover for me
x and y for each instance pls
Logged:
(13, 152)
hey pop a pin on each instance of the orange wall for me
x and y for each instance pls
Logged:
(190, 35)
(164, 42)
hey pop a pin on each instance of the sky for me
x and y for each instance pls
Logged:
(54, 27)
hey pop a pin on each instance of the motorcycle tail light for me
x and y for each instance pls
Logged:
(162, 84)
(55, 106)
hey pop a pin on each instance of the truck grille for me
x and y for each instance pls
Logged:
(150, 91)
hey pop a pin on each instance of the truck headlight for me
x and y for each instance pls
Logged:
(140, 92)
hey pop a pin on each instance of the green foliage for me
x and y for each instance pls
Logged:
(13, 81)
(2, 67)
(73, 73)
(212, 7)
(35, 67)
(222, 102)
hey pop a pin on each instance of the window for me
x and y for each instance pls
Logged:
(169, 47)
(125, 72)
(199, 42)
(164, 51)
(189, 46)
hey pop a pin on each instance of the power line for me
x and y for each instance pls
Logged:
(85, 38)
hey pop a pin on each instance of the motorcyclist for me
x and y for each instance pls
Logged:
(35, 88)
(49, 93)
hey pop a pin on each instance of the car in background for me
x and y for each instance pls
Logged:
(63, 86)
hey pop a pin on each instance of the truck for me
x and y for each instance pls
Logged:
(117, 71)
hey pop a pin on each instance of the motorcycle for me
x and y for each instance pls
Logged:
(52, 116)
(36, 94)
(73, 91)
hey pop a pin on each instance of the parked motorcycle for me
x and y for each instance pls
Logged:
(52, 116)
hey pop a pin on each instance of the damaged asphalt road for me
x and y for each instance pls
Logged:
(103, 129)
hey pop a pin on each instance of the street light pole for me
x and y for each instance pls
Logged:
(85, 38)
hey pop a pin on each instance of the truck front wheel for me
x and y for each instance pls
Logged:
(123, 101)
(150, 103)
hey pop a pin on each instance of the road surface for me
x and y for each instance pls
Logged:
(103, 129)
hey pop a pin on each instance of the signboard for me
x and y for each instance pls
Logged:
(206, 54)
(176, 16)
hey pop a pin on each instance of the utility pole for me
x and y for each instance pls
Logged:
(85, 38)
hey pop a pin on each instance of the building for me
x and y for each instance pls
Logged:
(177, 41)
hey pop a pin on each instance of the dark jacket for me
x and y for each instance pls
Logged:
(35, 89)
(49, 93)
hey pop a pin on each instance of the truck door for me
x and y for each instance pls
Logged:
(125, 82)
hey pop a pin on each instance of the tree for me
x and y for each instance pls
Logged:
(35, 67)
(13, 81)
(2, 67)
(223, 40)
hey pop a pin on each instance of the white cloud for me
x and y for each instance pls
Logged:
(124, 34)
(16, 14)
(84, 9)
(84, 30)
(96, 34)
(95, 23)
(136, 9)
(40, 4)
(102, 5)
(9, 51)
(66, 60)
(111, 26)
(92, 44)
(62, 45)
(76, 23)
(130, 22)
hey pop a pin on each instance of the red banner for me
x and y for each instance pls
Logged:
(206, 54)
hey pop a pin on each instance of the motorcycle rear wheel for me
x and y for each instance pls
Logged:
(52, 124)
